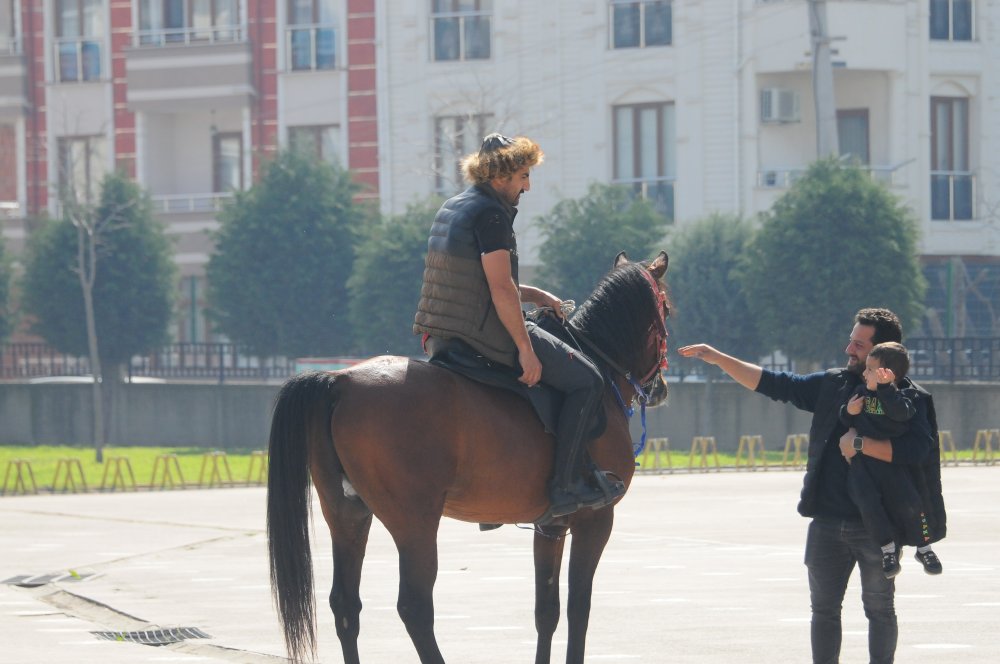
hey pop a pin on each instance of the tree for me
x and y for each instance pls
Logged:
(100, 282)
(277, 281)
(583, 235)
(385, 286)
(706, 285)
(834, 243)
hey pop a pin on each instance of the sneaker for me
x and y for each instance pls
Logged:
(890, 564)
(930, 562)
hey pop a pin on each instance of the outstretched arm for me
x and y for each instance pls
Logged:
(744, 373)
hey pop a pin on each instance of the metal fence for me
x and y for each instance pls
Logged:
(217, 362)
(943, 359)
(932, 358)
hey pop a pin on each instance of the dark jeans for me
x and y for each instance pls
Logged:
(888, 501)
(582, 386)
(833, 547)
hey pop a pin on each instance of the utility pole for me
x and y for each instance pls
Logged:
(822, 80)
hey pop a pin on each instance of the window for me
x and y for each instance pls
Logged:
(82, 164)
(79, 32)
(310, 35)
(319, 141)
(951, 20)
(227, 161)
(852, 135)
(461, 29)
(952, 182)
(184, 21)
(454, 138)
(962, 292)
(645, 152)
(8, 168)
(638, 24)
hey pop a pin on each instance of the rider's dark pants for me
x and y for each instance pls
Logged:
(580, 381)
(833, 547)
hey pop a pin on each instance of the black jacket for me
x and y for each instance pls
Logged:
(822, 394)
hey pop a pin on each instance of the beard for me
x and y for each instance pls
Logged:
(855, 366)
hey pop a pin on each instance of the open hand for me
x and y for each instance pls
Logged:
(884, 376)
(703, 352)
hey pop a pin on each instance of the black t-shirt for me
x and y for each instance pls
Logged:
(494, 234)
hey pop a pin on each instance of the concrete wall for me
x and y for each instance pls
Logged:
(228, 416)
(223, 416)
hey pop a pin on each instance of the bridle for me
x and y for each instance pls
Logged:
(657, 336)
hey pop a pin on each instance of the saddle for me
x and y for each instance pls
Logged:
(458, 356)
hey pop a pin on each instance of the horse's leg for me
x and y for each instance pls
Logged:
(548, 561)
(590, 535)
(350, 526)
(418, 565)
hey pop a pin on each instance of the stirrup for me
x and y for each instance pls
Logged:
(483, 527)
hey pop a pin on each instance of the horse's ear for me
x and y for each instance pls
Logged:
(659, 265)
(620, 259)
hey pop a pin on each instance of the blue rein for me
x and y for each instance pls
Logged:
(629, 410)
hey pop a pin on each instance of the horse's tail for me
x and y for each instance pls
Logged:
(302, 413)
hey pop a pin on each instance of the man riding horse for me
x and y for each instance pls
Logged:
(471, 293)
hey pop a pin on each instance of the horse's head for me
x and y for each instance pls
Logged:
(625, 317)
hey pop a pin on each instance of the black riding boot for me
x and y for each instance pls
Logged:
(573, 486)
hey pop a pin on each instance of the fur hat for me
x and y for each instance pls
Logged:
(500, 156)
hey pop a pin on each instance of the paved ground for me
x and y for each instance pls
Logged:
(701, 568)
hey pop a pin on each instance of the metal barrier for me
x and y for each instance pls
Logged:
(701, 444)
(984, 441)
(947, 442)
(749, 445)
(69, 484)
(167, 464)
(795, 441)
(650, 460)
(116, 467)
(21, 471)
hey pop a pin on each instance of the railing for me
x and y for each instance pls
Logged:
(10, 209)
(659, 191)
(180, 203)
(199, 35)
(10, 46)
(79, 59)
(218, 362)
(941, 359)
(311, 47)
(952, 195)
(932, 359)
(782, 178)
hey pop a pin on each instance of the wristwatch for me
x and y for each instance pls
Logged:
(859, 442)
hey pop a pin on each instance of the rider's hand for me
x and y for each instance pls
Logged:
(703, 352)
(531, 367)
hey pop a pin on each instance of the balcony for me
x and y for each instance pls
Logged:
(872, 34)
(189, 69)
(783, 178)
(189, 203)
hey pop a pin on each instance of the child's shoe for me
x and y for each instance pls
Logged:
(890, 564)
(930, 562)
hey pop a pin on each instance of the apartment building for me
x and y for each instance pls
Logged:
(700, 106)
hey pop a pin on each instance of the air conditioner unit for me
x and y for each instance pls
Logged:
(778, 105)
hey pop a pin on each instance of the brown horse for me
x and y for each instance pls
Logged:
(408, 442)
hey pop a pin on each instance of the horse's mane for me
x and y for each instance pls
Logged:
(618, 314)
